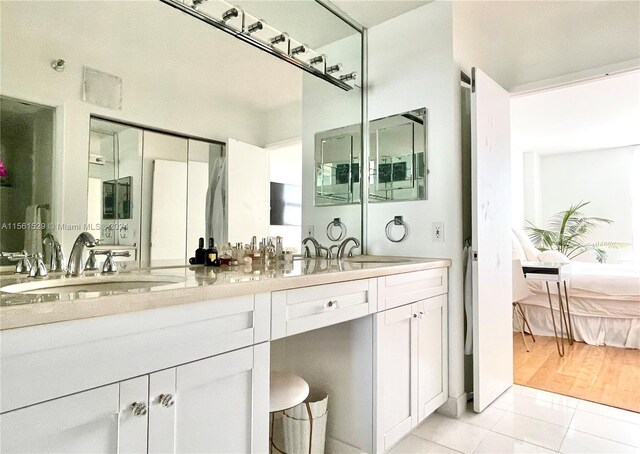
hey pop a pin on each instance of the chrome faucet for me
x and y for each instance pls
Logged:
(56, 258)
(317, 246)
(76, 264)
(343, 247)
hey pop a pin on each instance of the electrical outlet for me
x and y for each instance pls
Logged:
(438, 232)
(308, 231)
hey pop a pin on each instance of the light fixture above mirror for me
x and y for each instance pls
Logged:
(257, 32)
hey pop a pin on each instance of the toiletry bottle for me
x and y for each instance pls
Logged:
(200, 252)
(217, 261)
(211, 255)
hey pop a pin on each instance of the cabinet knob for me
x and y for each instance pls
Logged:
(139, 408)
(333, 304)
(419, 315)
(166, 400)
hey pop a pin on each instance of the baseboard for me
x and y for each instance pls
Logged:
(454, 407)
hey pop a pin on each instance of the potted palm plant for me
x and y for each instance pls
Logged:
(568, 233)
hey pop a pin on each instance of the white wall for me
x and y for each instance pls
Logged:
(411, 66)
(606, 178)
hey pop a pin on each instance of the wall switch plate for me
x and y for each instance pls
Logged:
(308, 231)
(438, 232)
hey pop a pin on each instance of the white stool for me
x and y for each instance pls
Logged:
(286, 391)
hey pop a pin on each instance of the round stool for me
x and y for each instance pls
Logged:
(286, 391)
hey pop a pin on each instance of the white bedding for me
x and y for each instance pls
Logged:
(599, 279)
(604, 303)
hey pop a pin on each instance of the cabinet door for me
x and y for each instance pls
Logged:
(222, 403)
(162, 414)
(431, 351)
(80, 423)
(396, 376)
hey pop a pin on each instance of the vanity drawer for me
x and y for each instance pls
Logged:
(305, 309)
(399, 289)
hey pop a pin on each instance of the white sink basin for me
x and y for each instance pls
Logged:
(375, 259)
(97, 284)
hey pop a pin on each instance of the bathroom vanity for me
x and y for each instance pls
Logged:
(184, 366)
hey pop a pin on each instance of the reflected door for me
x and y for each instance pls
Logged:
(491, 221)
(164, 217)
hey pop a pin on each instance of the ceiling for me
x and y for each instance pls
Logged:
(369, 13)
(522, 42)
(594, 115)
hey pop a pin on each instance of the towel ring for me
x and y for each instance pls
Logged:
(397, 220)
(336, 223)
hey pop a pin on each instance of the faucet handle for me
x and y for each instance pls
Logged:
(24, 265)
(38, 269)
(91, 264)
(110, 266)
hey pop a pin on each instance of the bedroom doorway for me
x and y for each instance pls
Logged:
(576, 200)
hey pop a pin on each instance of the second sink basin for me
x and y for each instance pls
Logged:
(100, 284)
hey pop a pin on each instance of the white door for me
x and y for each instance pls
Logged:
(248, 190)
(169, 213)
(162, 414)
(222, 403)
(491, 220)
(396, 375)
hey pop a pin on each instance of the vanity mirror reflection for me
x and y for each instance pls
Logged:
(197, 129)
(397, 168)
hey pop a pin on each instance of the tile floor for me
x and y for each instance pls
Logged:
(527, 420)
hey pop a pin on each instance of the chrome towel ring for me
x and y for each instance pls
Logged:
(336, 223)
(397, 220)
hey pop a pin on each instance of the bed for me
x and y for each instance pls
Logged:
(604, 300)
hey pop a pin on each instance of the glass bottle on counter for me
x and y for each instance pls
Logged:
(211, 255)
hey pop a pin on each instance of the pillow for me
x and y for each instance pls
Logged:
(553, 256)
(530, 251)
(516, 249)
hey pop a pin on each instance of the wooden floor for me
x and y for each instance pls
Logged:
(607, 375)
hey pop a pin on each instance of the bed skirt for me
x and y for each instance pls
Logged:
(615, 332)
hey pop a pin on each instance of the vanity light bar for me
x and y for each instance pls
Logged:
(246, 35)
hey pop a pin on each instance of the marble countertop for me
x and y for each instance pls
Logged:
(187, 285)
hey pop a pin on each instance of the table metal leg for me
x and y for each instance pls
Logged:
(559, 342)
(566, 298)
(563, 314)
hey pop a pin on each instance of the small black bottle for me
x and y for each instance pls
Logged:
(211, 255)
(200, 252)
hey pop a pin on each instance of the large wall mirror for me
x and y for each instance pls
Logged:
(163, 129)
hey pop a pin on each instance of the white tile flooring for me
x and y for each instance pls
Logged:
(526, 420)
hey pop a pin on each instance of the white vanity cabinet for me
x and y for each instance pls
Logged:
(197, 375)
(410, 367)
(215, 405)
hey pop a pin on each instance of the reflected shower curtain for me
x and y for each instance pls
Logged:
(217, 201)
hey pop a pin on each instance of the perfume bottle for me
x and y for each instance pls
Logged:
(211, 255)
(200, 252)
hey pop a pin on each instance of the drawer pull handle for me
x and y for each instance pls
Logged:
(166, 400)
(139, 408)
(333, 304)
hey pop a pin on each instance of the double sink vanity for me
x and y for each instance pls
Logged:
(178, 359)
